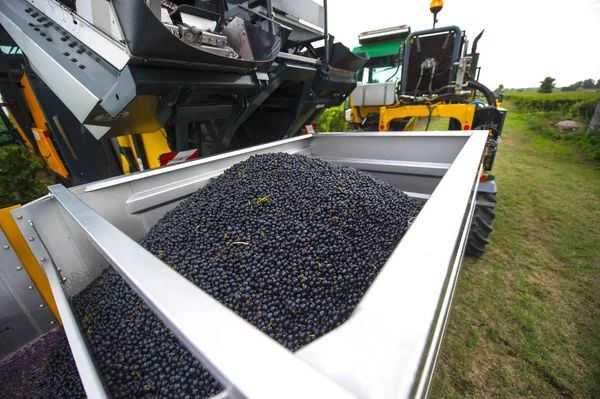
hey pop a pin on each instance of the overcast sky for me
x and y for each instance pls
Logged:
(523, 41)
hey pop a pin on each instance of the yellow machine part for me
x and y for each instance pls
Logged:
(155, 144)
(410, 126)
(462, 112)
(48, 152)
(19, 245)
(41, 131)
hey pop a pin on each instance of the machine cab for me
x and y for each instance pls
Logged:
(378, 79)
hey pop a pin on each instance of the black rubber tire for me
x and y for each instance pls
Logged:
(481, 225)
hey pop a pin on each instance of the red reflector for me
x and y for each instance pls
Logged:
(381, 127)
(310, 129)
(45, 133)
(172, 158)
(466, 127)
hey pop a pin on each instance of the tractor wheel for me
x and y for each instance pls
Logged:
(481, 225)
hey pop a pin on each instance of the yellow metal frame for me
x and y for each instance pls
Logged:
(464, 113)
(19, 245)
(41, 132)
(155, 143)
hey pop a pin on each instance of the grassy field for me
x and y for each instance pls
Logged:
(576, 105)
(557, 95)
(526, 316)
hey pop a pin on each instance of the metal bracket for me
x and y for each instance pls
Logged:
(262, 76)
(463, 65)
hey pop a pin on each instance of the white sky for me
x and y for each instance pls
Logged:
(522, 43)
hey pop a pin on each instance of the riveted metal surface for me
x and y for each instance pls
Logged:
(46, 59)
(75, 73)
(19, 245)
(101, 43)
(24, 314)
(70, 251)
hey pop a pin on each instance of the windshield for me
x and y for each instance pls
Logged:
(386, 74)
(382, 74)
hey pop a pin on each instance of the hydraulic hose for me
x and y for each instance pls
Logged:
(489, 96)
(450, 98)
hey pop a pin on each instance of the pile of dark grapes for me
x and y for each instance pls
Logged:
(135, 352)
(288, 242)
(44, 368)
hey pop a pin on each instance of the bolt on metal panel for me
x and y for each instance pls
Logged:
(24, 315)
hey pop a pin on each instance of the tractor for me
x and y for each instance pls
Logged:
(414, 80)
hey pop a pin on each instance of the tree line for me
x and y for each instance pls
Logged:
(585, 84)
(547, 85)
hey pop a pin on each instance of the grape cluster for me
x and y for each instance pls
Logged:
(44, 368)
(290, 243)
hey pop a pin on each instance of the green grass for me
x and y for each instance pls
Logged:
(577, 105)
(543, 123)
(541, 111)
(557, 95)
(436, 123)
(526, 316)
